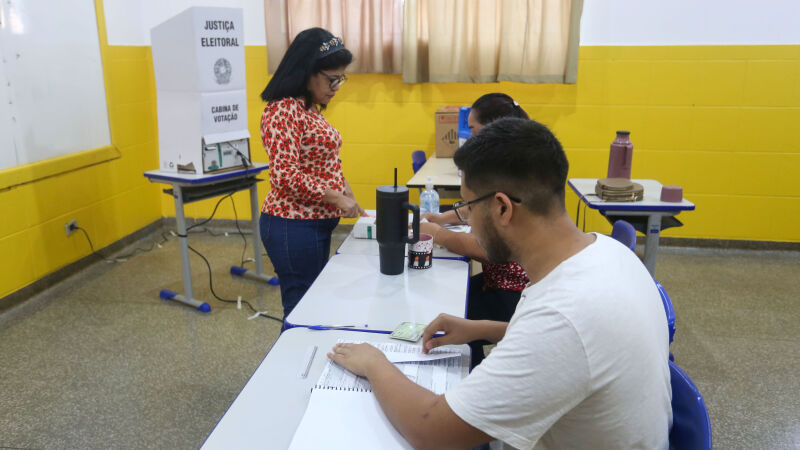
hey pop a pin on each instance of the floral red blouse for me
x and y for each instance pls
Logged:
(509, 276)
(303, 150)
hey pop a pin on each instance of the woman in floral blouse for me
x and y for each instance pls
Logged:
(308, 191)
(494, 293)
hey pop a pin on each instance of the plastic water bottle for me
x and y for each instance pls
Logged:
(429, 199)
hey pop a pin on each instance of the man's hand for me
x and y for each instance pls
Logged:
(456, 331)
(357, 358)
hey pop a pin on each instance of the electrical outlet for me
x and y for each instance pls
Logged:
(70, 226)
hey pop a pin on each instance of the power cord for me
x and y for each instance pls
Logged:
(208, 265)
(211, 286)
(121, 258)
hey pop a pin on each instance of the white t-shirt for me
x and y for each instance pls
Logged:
(583, 363)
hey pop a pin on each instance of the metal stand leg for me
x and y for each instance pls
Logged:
(258, 275)
(188, 297)
(651, 242)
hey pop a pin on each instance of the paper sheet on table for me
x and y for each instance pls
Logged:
(399, 357)
(343, 413)
(437, 375)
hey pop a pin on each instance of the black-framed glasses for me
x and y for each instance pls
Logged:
(335, 80)
(463, 214)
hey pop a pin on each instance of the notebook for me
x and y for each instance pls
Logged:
(343, 413)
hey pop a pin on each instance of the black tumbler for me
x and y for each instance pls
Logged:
(392, 227)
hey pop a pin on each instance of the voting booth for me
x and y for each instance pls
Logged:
(198, 60)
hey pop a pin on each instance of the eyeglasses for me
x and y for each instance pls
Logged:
(463, 214)
(335, 80)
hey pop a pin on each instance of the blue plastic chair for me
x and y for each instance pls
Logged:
(691, 427)
(624, 232)
(418, 158)
(668, 309)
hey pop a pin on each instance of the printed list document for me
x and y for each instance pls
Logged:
(343, 413)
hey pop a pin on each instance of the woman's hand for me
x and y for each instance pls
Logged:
(429, 228)
(348, 205)
(445, 218)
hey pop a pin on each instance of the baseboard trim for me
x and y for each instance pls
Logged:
(725, 244)
(50, 280)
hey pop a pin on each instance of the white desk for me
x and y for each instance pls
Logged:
(351, 290)
(650, 206)
(355, 246)
(187, 188)
(443, 171)
(269, 408)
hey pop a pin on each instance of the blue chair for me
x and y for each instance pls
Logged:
(418, 158)
(691, 427)
(668, 309)
(624, 232)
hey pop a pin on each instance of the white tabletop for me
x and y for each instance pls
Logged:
(269, 408)
(585, 188)
(359, 246)
(352, 291)
(443, 171)
(188, 179)
(355, 246)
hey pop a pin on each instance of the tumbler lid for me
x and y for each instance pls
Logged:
(392, 190)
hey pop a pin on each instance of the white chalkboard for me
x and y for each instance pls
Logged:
(52, 98)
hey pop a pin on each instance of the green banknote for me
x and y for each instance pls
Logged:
(409, 331)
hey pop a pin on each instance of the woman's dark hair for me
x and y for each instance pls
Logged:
(491, 107)
(304, 58)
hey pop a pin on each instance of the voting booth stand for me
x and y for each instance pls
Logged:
(198, 60)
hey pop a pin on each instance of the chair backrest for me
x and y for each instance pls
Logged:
(624, 232)
(418, 158)
(691, 427)
(665, 300)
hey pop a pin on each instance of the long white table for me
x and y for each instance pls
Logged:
(269, 408)
(352, 291)
(355, 246)
(443, 171)
(650, 206)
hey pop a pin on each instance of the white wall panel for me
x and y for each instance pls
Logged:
(54, 91)
(690, 22)
(129, 22)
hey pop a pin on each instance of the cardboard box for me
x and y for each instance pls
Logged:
(200, 50)
(365, 227)
(446, 119)
(198, 60)
(193, 127)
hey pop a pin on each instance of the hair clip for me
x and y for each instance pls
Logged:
(331, 45)
(515, 103)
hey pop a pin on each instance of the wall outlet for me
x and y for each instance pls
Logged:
(70, 226)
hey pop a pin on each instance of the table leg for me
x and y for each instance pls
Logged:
(255, 212)
(188, 296)
(651, 242)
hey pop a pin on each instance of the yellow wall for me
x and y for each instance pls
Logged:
(722, 121)
(109, 199)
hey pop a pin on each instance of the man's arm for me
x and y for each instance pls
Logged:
(422, 417)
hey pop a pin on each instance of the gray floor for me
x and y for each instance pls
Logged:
(99, 361)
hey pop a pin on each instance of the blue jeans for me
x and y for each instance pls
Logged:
(298, 250)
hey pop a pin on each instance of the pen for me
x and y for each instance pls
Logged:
(329, 327)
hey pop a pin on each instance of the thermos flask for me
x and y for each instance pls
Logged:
(620, 156)
(392, 227)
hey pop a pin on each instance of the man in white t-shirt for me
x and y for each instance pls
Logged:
(583, 361)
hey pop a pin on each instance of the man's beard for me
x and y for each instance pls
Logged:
(497, 251)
